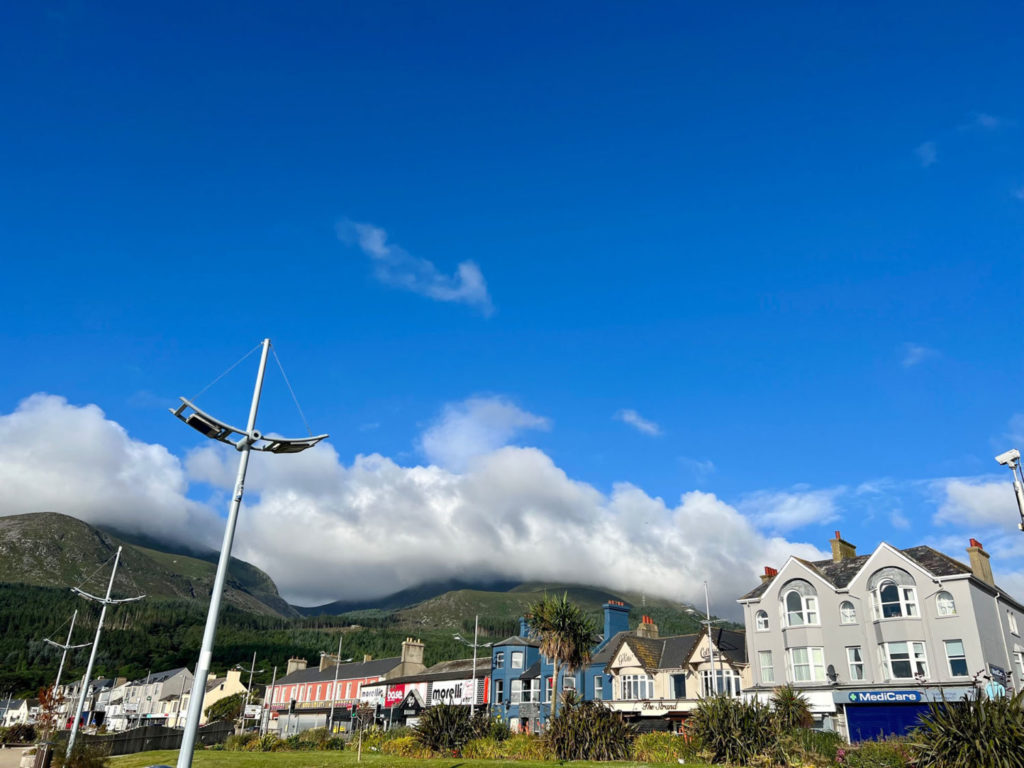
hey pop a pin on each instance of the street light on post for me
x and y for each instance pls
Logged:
(244, 441)
(474, 645)
(1011, 459)
(248, 691)
(708, 621)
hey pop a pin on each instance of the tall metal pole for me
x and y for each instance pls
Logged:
(265, 722)
(195, 702)
(64, 655)
(476, 634)
(248, 691)
(711, 640)
(92, 657)
(334, 692)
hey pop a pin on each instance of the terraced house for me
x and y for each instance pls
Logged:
(870, 639)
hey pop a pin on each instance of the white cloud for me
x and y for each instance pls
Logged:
(635, 420)
(979, 501)
(701, 469)
(395, 266)
(324, 530)
(58, 457)
(474, 427)
(927, 153)
(898, 520)
(786, 510)
(915, 354)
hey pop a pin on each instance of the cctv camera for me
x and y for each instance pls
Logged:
(1009, 458)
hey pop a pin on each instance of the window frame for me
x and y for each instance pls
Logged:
(808, 609)
(847, 618)
(598, 687)
(499, 659)
(950, 658)
(942, 612)
(634, 687)
(918, 665)
(761, 621)
(770, 666)
(517, 659)
(721, 680)
(499, 691)
(852, 662)
(906, 601)
(815, 662)
(515, 692)
(1011, 618)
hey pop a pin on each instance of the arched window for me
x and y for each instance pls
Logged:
(945, 604)
(847, 613)
(799, 603)
(761, 621)
(893, 594)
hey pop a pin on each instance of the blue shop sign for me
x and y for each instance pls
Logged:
(885, 697)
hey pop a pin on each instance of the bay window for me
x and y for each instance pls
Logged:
(637, 687)
(720, 681)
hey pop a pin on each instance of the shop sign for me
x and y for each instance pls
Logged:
(452, 692)
(395, 694)
(998, 674)
(372, 694)
(885, 697)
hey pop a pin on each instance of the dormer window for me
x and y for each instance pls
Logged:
(893, 594)
(761, 621)
(799, 604)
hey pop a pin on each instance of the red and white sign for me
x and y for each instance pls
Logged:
(452, 692)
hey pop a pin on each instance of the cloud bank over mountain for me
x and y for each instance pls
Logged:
(325, 529)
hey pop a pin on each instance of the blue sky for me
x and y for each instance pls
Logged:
(769, 254)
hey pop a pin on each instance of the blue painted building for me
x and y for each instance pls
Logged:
(522, 677)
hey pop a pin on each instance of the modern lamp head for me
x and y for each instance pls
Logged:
(215, 429)
(1010, 458)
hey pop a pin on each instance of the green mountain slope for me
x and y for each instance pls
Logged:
(48, 549)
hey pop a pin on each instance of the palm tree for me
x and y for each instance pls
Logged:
(566, 636)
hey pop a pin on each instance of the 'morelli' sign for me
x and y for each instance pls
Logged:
(885, 697)
(451, 692)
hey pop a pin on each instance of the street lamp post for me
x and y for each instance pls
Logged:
(1011, 459)
(334, 685)
(474, 645)
(65, 647)
(708, 621)
(244, 441)
(265, 720)
(248, 691)
(104, 601)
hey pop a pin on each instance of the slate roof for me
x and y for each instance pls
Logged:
(517, 640)
(158, 677)
(459, 669)
(732, 643)
(607, 653)
(531, 672)
(842, 573)
(668, 652)
(351, 671)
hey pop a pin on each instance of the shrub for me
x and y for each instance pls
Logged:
(407, 746)
(19, 733)
(483, 749)
(589, 731)
(239, 742)
(664, 748)
(973, 732)
(83, 755)
(814, 747)
(731, 731)
(267, 743)
(792, 708)
(490, 727)
(526, 746)
(444, 728)
(887, 753)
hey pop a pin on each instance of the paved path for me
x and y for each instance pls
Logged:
(10, 758)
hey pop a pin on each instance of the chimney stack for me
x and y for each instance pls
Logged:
(842, 550)
(769, 574)
(367, 657)
(295, 665)
(980, 566)
(616, 618)
(524, 630)
(647, 628)
(412, 651)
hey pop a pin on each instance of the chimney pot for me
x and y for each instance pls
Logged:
(769, 574)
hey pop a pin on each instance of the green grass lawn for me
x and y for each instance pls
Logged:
(208, 759)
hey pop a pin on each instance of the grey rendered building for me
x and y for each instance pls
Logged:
(870, 639)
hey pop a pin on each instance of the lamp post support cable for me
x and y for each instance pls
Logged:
(195, 703)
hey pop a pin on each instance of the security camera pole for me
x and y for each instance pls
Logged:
(244, 441)
(708, 621)
(1011, 459)
(474, 645)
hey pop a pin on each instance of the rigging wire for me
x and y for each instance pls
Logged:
(98, 569)
(294, 398)
(229, 370)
